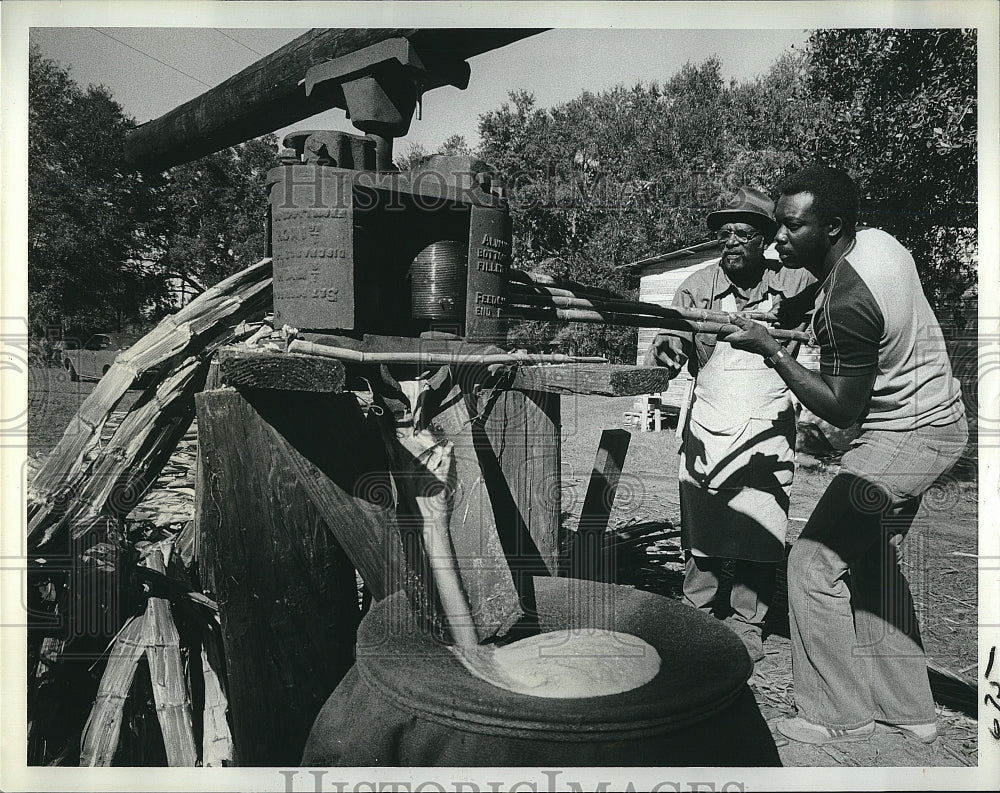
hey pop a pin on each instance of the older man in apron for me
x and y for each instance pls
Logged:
(738, 438)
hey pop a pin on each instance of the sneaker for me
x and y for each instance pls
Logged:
(925, 733)
(803, 731)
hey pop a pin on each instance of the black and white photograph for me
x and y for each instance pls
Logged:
(500, 396)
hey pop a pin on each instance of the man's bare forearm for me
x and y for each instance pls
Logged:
(841, 401)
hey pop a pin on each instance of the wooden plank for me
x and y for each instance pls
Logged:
(517, 444)
(524, 431)
(246, 367)
(598, 379)
(267, 95)
(286, 590)
(952, 689)
(587, 558)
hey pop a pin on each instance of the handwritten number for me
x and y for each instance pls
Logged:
(995, 729)
(989, 666)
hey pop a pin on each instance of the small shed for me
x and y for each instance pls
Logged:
(659, 278)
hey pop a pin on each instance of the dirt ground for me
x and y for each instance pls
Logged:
(940, 554)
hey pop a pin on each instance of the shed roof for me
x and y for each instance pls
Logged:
(701, 247)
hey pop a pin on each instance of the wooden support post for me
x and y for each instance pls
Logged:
(599, 379)
(518, 445)
(644, 415)
(587, 560)
(524, 430)
(288, 473)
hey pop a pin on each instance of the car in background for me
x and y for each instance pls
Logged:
(93, 359)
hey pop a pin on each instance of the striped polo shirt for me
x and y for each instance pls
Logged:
(872, 317)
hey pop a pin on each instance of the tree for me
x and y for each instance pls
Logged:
(412, 157)
(213, 209)
(455, 144)
(88, 216)
(904, 124)
(607, 179)
(415, 153)
(619, 175)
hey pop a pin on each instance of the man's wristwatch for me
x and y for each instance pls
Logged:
(772, 360)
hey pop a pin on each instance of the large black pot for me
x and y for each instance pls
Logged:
(408, 702)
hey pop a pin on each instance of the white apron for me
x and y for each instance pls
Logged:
(737, 457)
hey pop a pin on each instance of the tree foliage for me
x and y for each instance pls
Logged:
(88, 216)
(105, 241)
(613, 177)
(213, 216)
(416, 154)
(904, 112)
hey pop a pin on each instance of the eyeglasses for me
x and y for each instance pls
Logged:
(741, 235)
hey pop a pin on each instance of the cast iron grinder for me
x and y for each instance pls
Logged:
(360, 248)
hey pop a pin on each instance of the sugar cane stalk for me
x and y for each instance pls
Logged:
(563, 298)
(434, 358)
(638, 321)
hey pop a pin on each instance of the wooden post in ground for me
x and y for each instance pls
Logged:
(518, 447)
(587, 559)
(286, 589)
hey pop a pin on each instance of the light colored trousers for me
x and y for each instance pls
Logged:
(856, 649)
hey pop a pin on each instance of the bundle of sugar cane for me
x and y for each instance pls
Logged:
(69, 489)
(552, 299)
(154, 634)
(547, 285)
(114, 481)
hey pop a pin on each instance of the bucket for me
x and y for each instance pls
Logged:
(409, 702)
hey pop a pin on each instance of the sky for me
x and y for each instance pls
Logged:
(150, 71)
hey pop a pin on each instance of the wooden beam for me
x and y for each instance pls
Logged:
(517, 444)
(267, 95)
(598, 379)
(587, 560)
(524, 431)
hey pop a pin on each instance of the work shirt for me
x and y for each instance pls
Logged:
(739, 437)
(790, 292)
(872, 318)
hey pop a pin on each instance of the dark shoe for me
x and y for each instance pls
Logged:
(751, 636)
